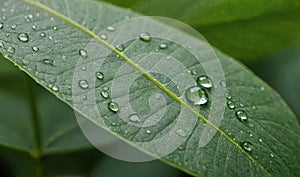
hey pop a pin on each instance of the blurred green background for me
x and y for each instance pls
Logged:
(278, 65)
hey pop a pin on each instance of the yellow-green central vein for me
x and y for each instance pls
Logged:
(144, 73)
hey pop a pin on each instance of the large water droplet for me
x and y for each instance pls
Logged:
(196, 95)
(134, 118)
(204, 81)
(83, 84)
(247, 146)
(1, 25)
(114, 107)
(99, 75)
(83, 53)
(23, 37)
(241, 116)
(48, 62)
(163, 46)
(146, 37)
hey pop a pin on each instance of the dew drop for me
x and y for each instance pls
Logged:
(120, 48)
(55, 88)
(196, 95)
(204, 81)
(83, 53)
(23, 37)
(99, 75)
(223, 83)
(11, 50)
(146, 37)
(55, 28)
(271, 155)
(148, 131)
(1, 44)
(230, 105)
(48, 62)
(193, 72)
(163, 46)
(30, 16)
(114, 107)
(134, 118)
(25, 62)
(241, 116)
(33, 27)
(105, 95)
(110, 28)
(181, 132)
(103, 36)
(83, 84)
(260, 140)
(105, 88)
(43, 34)
(247, 146)
(13, 27)
(1, 25)
(35, 49)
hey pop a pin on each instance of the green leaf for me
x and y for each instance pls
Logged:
(246, 30)
(66, 34)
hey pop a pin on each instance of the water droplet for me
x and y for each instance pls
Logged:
(25, 62)
(105, 88)
(223, 83)
(23, 37)
(99, 75)
(163, 46)
(83, 84)
(83, 68)
(105, 95)
(50, 38)
(13, 27)
(196, 95)
(271, 155)
(1, 25)
(1, 44)
(103, 36)
(83, 53)
(134, 118)
(11, 50)
(241, 116)
(55, 88)
(228, 96)
(251, 135)
(114, 107)
(33, 27)
(55, 28)
(48, 62)
(148, 131)
(43, 34)
(204, 81)
(230, 105)
(120, 48)
(110, 28)
(30, 16)
(260, 140)
(35, 49)
(181, 132)
(262, 88)
(146, 37)
(247, 146)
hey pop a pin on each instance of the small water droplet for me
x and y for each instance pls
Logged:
(271, 155)
(262, 88)
(33, 27)
(48, 62)
(103, 36)
(260, 140)
(50, 38)
(84, 97)
(30, 16)
(228, 96)
(193, 72)
(13, 27)
(105, 88)
(1, 25)
(11, 50)
(196, 96)
(146, 37)
(25, 62)
(251, 135)
(223, 83)
(55, 88)
(181, 132)
(1, 44)
(23, 37)
(55, 28)
(114, 107)
(105, 95)
(134, 118)
(83, 68)
(163, 46)
(99, 75)
(83, 84)
(83, 53)
(247, 146)
(120, 48)
(204, 81)
(230, 105)
(35, 49)
(241, 116)
(148, 131)
(43, 34)
(110, 28)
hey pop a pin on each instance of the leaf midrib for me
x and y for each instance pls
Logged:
(144, 73)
